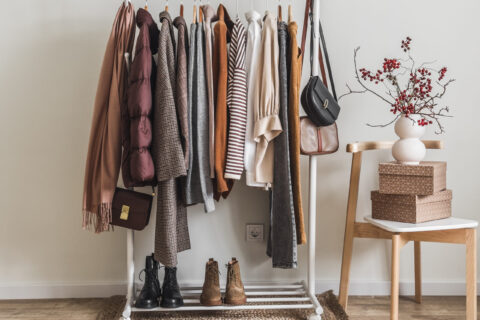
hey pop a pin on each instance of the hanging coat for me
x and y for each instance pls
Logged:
(181, 84)
(105, 145)
(236, 102)
(282, 241)
(266, 103)
(198, 184)
(254, 37)
(295, 57)
(210, 17)
(222, 31)
(137, 163)
(171, 233)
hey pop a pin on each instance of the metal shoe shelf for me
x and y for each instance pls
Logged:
(259, 297)
(274, 296)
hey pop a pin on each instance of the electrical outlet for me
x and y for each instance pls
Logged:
(255, 232)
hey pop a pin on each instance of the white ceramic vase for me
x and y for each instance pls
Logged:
(409, 149)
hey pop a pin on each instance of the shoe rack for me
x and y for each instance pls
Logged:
(269, 296)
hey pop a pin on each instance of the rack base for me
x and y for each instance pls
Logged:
(275, 296)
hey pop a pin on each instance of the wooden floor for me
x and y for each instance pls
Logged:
(360, 308)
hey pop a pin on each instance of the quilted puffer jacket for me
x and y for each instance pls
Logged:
(137, 164)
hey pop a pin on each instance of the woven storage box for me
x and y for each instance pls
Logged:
(424, 179)
(411, 208)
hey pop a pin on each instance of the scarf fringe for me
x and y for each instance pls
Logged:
(100, 221)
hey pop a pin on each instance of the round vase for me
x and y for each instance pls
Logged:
(409, 149)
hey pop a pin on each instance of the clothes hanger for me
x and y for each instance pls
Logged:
(166, 6)
(200, 12)
(290, 16)
(194, 11)
(181, 9)
(146, 5)
(236, 7)
(279, 10)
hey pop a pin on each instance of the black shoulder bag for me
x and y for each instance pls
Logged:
(317, 101)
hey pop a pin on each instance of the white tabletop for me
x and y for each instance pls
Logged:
(443, 224)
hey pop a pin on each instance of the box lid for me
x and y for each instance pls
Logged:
(426, 168)
(410, 199)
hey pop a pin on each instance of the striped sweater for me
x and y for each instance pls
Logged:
(236, 102)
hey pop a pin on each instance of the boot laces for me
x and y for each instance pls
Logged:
(231, 274)
(146, 272)
(212, 272)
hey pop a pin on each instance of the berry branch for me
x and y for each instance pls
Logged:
(410, 89)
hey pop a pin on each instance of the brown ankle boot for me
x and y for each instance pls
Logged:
(211, 295)
(234, 294)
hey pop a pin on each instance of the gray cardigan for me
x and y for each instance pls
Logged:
(198, 187)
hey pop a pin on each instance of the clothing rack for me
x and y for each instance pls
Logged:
(299, 295)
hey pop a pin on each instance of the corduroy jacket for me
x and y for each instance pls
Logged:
(222, 31)
(294, 128)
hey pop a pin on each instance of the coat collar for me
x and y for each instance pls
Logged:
(165, 15)
(223, 16)
(179, 21)
(209, 14)
(145, 18)
(253, 16)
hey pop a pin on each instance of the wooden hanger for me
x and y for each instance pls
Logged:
(181, 9)
(195, 11)
(146, 5)
(166, 6)
(279, 10)
(290, 17)
(200, 13)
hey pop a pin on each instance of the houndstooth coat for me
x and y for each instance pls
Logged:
(171, 233)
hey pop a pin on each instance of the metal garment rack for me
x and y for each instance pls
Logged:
(274, 296)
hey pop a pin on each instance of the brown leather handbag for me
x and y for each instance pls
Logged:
(316, 140)
(131, 209)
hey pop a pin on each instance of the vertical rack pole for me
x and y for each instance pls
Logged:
(312, 192)
(312, 203)
(312, 195)
(130, 275)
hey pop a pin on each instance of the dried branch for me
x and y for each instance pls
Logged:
(383, 125)
(350, 91)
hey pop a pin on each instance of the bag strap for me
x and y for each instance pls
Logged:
(308, 14)
(324, 45)
(308, 5)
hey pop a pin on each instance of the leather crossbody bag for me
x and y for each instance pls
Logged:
(318, 139)
(317, 101)
(131, 209)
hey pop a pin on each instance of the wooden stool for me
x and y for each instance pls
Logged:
(451, 230)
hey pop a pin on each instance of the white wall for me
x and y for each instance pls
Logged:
(50, 56)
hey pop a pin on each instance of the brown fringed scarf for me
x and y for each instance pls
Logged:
(105, 146)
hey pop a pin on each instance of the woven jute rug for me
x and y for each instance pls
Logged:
(113, 308)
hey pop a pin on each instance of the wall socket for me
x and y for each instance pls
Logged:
(255, 232)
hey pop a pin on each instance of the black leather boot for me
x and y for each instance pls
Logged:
(171, 297)
(148, 298)
(156, 266)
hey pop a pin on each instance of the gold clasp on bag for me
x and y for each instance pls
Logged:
(124, 213)
(325, 104)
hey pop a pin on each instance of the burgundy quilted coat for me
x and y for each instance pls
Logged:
(137, 164)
